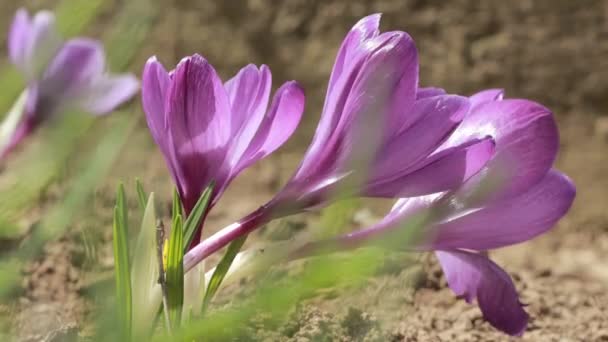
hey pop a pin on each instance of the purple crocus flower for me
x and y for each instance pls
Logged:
(378, 135)
(514, 198)
(60, 76)
(209, 131)
(374, 86)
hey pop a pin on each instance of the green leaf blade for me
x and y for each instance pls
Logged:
(142, 198)
(144, 276)
(121, 263)
(176, 208)
(221, 270)
(175, 272)
(196, 215)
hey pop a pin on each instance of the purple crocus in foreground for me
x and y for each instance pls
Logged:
(60, 76)
(209, 131)
(514, 198)
(378, 135)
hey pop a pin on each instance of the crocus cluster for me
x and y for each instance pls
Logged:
(60, 75)
(378, 135)
(479, 168)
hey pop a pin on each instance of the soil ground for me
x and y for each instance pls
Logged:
(554, 52)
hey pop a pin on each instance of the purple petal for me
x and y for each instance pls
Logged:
(406, 214)
(443, 171)
(526, 142)
(475, 276)
(346, 67)
(71, 73)
(484, 96)
(437, 118)
(422, 93)
(248, 92)
(510, 221)
(107, 93)
(347, 64)
(77, 64)
(364, 29)
(278, 125)
(198, 116)
(18, 37)
(42, 43)
(404, 94)
(374, 78)
(155, 82)
(380, 100)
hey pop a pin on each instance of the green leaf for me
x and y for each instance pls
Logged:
(144, 277)
(175, 272)
(142, 198)
(276, 297)
(221, 270)
(196, 215)
(176, 209)
(121, 263)
(194, 291)
(336, 218)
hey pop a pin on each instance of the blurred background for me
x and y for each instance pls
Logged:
(553, 52)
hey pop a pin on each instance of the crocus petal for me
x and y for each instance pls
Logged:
(373, 75)
(278, 124)
(155, 81)
(18, 38)
(438, 116)
(347, 65)
(73, 70)
(510, 221)
(380, 96)
(526, 142)
(444, 171)
(385, 87)
(76, 65)
(107, 93)
(362, 31)
(475, 276)
(42, 41)
(489, 95)
(198, 117)
(198, 105)
(248, 92)
(429, 92)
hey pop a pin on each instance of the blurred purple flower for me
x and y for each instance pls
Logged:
(209, 131)
(60, 75)
(378, 135)
(514, 198)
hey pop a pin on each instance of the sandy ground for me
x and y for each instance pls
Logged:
(550, 51)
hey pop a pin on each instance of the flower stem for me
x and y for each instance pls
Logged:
(15, 126)
(223, 237)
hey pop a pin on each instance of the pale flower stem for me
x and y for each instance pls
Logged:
(223, 237)
(11, 122)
